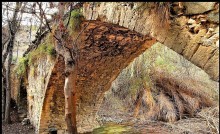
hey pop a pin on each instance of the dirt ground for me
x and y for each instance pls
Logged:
(16, 127)
(207, 121)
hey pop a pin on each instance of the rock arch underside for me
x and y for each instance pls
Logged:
(105, 49)
(112, 39)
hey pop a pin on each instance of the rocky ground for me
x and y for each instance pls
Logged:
(16, 126)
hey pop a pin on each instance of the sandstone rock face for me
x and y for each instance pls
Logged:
(184, 35)
(198, 7)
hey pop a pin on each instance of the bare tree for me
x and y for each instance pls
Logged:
(13, 26)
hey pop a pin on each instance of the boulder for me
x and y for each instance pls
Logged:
(198, 7)
(25, 121)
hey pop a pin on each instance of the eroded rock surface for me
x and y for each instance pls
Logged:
(198, 7)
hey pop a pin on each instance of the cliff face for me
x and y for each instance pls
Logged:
(193, 32)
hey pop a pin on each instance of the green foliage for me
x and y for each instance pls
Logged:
(42, 50)
(165, 65)
(75, 20)
(21, 67)
(159, 61)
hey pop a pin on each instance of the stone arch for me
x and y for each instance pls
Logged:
(113, 48)
(191, 45)
(52, 113)
(105, 49)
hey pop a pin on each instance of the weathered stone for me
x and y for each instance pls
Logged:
(148, 23)
(197, 28)
(112, 54)
(23, 115)
(213, 17)
(193, 44)
(216, 29)
(101, 62)
(191, 21)
(198, 7)
(210, 41)
(52, 130)
(36, 88)
(202, 55)
(53, 110)
(212, 66)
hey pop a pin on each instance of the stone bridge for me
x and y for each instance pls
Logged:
(116, 35)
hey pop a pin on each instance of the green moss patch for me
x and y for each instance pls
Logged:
(113, 129)
(75, 20)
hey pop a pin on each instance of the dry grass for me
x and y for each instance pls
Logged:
(176, 98)
(179, 104)
(149, 99)
(167, 110)
(211, 116)
(206, 122)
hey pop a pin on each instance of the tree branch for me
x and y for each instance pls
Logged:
(69, 15)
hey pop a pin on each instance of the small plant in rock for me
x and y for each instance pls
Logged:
(75, 20)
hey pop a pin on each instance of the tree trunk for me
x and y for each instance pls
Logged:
(3, 95)
(70, 99)
(7, 57)
(8, 83)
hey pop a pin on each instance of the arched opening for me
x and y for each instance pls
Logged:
(159, 85)
(105, 49)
